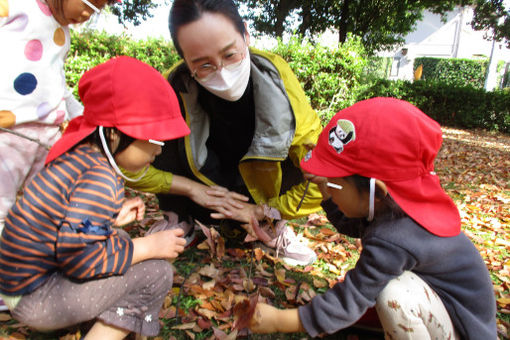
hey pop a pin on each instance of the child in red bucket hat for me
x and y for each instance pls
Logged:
(62, 259)
(374, 164)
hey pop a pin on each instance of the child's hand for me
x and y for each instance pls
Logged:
(168, 243)
(132, 209)
(165, 244)
(268, 319)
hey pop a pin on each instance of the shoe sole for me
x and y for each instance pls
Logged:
(191, 239)
(288, 260)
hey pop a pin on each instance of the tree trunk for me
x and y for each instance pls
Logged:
(282, 11)
(344, 17)
(307, 18)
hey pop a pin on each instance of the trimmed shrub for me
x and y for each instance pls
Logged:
(457, 106)
(90, 48)
(453, 71)
(329, 77)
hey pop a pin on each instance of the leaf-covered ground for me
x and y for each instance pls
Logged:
(213, 278)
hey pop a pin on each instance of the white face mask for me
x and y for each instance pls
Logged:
(230, 83)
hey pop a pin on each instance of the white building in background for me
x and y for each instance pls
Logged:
(453, 38)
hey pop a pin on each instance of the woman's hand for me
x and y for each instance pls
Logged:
(132, 209)
(268, 319)
(242, 212)
(224, 202)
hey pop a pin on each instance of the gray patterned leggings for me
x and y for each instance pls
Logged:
(131, 301)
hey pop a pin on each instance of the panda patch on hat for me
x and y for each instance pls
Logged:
(342, 134)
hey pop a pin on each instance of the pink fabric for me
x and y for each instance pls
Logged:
(21, 159)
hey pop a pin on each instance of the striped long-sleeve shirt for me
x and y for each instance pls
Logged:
(63, 222)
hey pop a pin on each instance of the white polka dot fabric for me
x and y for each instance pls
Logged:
(34, 48)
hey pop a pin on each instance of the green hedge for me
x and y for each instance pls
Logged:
(453, 71)
(332, 78)
(458, 106)
(91, 48)
(327, 75)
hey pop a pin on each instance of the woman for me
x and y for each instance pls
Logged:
(250, 123)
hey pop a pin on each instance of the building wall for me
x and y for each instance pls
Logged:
(452, 38)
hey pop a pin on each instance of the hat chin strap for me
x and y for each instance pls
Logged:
(112, 161)
(371, 200)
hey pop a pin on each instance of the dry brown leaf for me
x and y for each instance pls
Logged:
(243, 312)
(184, 326)
(5, 317)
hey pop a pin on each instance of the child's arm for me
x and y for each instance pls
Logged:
(268, 319)
(87, 246)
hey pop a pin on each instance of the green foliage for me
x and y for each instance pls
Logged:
(492, 15)
(134, 11)
(328, 76)
(457, 106)
(91, 48)
(378, 67)
(335, 78)
(453, 71)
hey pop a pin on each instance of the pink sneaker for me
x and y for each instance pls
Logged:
(171, 221)
(290, 248)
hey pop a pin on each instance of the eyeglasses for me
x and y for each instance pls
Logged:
(157, 142)
(334, 185)
(229, 61)
(91, 5)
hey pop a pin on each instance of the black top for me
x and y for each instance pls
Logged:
(232, 125)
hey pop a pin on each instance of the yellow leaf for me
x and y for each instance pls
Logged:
(504, 301)
(4, 8)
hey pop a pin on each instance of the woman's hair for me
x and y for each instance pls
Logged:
(124, 140)
(184, 12)
(363, 185)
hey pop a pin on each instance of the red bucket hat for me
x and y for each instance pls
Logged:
(393, 141)
(127, 94)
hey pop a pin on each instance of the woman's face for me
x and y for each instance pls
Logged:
(210, 40)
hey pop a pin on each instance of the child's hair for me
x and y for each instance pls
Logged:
(124, 140)
(59, 5)
(362, 184)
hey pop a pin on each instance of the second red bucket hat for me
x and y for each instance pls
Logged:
(393, 141)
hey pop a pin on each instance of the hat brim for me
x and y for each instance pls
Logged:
(79, 128)
(423, 199)
(75, 132)
(162, 130)
(318, 164)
